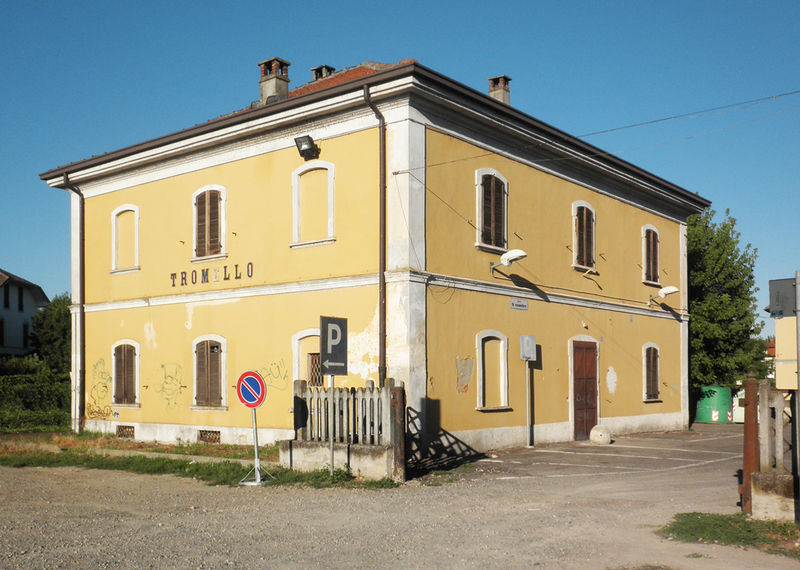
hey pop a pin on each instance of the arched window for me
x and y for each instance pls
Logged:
(651, 365)
(492, 355)
(491, 190)
(209, 221)
(125, 363)
(209, 371)
(650, 255)
(125, 238)
(584, 223)
(306, 363)
(312, 204)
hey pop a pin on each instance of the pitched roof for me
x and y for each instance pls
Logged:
(345, 75)
(38, 294)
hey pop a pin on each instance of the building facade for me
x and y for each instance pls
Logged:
(20, 300)
(522, 284)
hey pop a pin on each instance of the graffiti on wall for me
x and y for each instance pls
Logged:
(99, 393)
(172, 385)
(276, 375)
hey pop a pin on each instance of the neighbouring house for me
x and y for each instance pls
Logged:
(523, 284)
(20, 300)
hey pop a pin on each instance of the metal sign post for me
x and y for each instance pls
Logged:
(527, 352)
(796, 410)
(252, 392)
(333, 356)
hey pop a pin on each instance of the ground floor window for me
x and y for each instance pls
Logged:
(492, 356)
(125, 370)
(651, 372)
(208, 373)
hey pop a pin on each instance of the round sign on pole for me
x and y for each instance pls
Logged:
(251, 389)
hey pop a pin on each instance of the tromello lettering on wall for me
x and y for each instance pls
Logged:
(211, 275)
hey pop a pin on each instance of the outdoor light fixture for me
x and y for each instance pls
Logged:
(663, 292)
(508, 258)
(306, 147)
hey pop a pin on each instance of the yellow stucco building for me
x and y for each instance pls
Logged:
(522, 284)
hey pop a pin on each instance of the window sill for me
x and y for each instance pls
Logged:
(490, 409)
(651, 283)
(585, 270)
(127, 406)
(311, 243)
(656, 401)
(490, 248)
(215, 257)
(209, 408)
(125, 270)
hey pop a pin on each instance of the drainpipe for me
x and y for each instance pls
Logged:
(81, 395)
(382, 240)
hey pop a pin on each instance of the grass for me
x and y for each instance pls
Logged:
(776, 537)
(217, 473)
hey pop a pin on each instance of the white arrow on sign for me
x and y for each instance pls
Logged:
(328, 363)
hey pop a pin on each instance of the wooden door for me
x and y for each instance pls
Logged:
(584, 396)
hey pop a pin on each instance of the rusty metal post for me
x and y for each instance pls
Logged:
(750, 460)
(398, 430)
(300, 411)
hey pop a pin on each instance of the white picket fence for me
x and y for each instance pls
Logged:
(361, 415)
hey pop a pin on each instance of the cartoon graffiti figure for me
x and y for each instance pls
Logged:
(99, 393)
(171, 387)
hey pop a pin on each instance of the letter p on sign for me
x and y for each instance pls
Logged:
(333, 345)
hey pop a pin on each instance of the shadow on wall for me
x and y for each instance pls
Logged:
(429, 447)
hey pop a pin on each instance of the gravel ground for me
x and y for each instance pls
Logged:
(560, 506)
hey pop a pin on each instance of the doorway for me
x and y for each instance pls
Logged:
(584, 388)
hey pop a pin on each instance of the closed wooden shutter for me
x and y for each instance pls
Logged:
(651, 256)
(201, 237)
(585, 238)
(208, 354)
(213, 246)
(125, 374)
(493, 208)
(651, 356)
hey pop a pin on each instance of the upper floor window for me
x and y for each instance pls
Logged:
(209, 221)
(125, 238)
(650, 254)
(492, 356)
(312, 204)
(7, 295)
(21, 298)
(209, 372)
(583, 236)
(492, 208)
(126, 372)
(651, 372)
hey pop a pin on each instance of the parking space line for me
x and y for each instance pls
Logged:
(595, 454)
(678, 449)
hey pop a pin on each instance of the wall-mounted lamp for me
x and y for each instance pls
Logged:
(508, 258)
(662, 293)
(306, 147)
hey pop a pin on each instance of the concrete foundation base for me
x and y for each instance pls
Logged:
(772, 496)
(367, 461)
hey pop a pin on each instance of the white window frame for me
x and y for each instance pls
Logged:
(644, 372)
(575, 206)
(479, 174)
(297, 202)
(479, 339)
(115, 269)
(136, 346)
(645, 228)
(223, 200)
(296, 353)
(223, 407)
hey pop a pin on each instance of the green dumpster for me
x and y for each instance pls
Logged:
(714, 405)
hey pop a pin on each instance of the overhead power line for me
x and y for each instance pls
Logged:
(692, 114)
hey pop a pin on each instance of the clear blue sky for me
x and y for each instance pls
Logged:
(83, 78)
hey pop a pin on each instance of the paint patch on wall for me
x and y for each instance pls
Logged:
(465, 367)
(150, 335)
(611, 380)
(190, 309)
(362, 349)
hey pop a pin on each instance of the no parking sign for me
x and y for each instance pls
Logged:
(251, 389)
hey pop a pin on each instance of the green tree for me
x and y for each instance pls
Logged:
(722, 302)
(51, 333)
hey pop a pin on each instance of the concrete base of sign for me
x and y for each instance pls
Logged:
(367, 461)
(772, 496)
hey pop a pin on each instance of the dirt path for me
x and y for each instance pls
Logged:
(565, 506)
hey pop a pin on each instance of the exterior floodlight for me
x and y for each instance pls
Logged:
(508, 258)
(663, 292)
(306, 147)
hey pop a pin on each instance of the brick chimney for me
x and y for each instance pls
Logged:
(321, 71)
(274, 82)
(498, 88)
